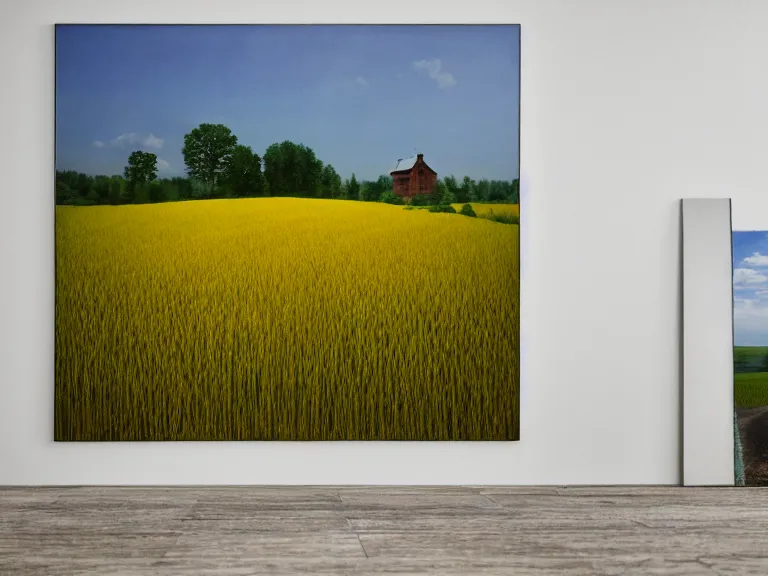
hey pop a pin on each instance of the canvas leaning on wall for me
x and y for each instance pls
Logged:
(287, 233)
(750, 355)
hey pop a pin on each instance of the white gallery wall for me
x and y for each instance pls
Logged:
(626, 108)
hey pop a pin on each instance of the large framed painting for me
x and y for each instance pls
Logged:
(287, 233)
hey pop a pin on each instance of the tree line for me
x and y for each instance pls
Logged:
(217, 166)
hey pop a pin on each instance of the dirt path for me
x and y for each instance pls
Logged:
(753, 428)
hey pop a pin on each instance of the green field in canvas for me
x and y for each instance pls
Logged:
(751, 378)
(751, 390)
(284, 319)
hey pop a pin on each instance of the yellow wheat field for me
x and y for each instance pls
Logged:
(284, 319)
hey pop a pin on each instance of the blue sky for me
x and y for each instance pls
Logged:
(750, 288)
(360, 96)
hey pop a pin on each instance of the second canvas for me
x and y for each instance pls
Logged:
(287, 233)
(750, 355)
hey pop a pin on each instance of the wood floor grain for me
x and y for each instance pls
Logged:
(364, 531)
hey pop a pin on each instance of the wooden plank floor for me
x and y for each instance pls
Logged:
(377, 530)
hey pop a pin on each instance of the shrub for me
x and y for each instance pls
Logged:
(390, 197)
(421, 199)
(467, 210)
(443, 208)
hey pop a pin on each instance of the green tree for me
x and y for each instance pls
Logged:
(372, 191)
(64, 194)
(497, 192)
(353, 188)
(515, 195)
(331, 182)
(84, 185)
(378, 188)
(207, 151)
(141, 169)
(184, 187)
(244, 176)
(141, 193)
(171, 192)
(157, 191)
(74, 187)
(389, 197)
(443, 193)
(482, 190)
(293, 170)
(128, 193)
(100, 187)
(437, 193)
(464, 192)
(451, 186)
(92, 198)
(200, 189)
(116, 186)
(274, 169)
(367, 191)
(467, 210)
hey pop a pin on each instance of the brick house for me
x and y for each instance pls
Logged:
(412, 176)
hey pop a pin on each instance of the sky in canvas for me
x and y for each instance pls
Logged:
(360, 96)
(750, 288)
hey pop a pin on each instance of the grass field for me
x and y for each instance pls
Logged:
(751, 390)
(751, 379)
(483, 210)
(284, 319)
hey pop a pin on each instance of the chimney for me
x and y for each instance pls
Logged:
(420, 157)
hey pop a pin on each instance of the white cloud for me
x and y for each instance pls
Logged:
(749, 308)
(362, 81)
(163, 164)
(750, 319)
(748, 276)
(133, 139)
(756, 259)
(98, 144)
(123, 139)
(433, 68)
(750, 315)
(153, 141)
